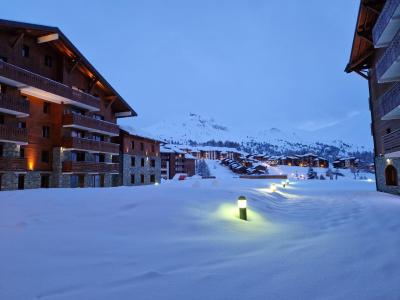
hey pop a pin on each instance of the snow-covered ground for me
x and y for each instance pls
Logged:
(183, 240)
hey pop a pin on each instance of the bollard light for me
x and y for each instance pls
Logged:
(242, 204)
(273, 187)
(287, 181)
(283, 184)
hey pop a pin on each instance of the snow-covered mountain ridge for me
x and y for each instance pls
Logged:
(198, 130)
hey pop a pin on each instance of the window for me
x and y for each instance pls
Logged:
(25, 50)
(46, 107)
(133, 145)
(48, 61)
(1, 150)
(78, 156)
(21, 182)
(77, 181)
(21, 152)
(46, 132)
(3, 88)
(142, 162)
(152, 148)
(1, 119)
(133, 161)
(391, 176)
(78, 134)
(141, 146)
(132, 178)
(141, 178)
(45, 156)
(153, 163)
(21, 124)
(98, 117)
(99, 157)
(44, 181)
(98, 138)
(152, 178)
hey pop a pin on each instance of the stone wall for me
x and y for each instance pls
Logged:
(381, 163)
(138, 170)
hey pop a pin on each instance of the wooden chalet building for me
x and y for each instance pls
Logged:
(57, 113)
(346, 163)
(176, 161)
(375, 55)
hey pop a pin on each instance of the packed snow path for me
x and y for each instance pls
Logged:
(182, 240)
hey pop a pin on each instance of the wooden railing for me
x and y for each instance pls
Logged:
(384, 18)
(389, 101)
(89, 145)
(89, 167)
(391, 141)
(43, 83)
(13, 134)
(88, 122)
(14, 103)
(389, 57)
(14, 164)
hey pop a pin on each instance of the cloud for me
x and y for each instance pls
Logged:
(315, 125)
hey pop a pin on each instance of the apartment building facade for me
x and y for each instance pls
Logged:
(375, 56)
(175, 161)
(140, 159)
(57, 113)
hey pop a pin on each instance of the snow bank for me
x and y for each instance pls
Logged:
(183, 240)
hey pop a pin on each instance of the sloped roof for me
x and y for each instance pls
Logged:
(66, 47)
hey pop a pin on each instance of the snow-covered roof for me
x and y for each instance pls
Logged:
(139, 133)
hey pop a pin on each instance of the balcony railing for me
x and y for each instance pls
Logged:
(391, 141)
(13, 134)
(14, 105)
(388, 103)
(90, 124)
(387, 23)
(387, 68)
(89, 167)
(89, 145)
(13, 164)
(25, 77)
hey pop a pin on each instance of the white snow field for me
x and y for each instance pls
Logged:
(183, 240)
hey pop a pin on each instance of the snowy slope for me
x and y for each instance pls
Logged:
(201, 129)
(182, 240)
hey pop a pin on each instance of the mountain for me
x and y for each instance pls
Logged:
(195, 129)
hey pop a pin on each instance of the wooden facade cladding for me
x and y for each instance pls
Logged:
(12, 164)
(90, 124)
(20, 77)
(13, 134)
(391, 141)
(14, 105)
(89, 167)
(75, 143)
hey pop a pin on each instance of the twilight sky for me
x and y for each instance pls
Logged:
(250, 64)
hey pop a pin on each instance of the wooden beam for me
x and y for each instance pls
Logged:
(92, 83)
(362, 74)
(362, 35)
(363, 57)
(17, 40)
(75, 64)
(47, 38)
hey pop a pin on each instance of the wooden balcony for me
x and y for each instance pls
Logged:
(391, 141)
(90, 124)
(13, 135)
(12, 164)
(387, 24)
(14, 105)
(388, 66)
(389, 103)
(74, 143)
(45, 88)
(89, 167)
